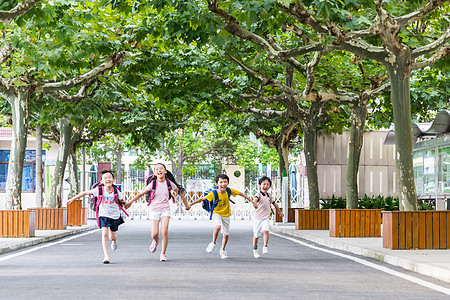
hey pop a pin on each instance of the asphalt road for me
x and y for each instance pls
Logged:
(71, 268)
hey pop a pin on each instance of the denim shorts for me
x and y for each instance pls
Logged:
(113, 224)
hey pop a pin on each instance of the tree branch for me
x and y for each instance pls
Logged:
(114, 60)
(20, 9)
(442, 53)
(432, 46)
(419, 13)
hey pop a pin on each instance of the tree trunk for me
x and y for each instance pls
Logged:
(65, 130)
(119, 164)
(73, 174)
(283, 155)
(310, 138)
(19, 112)
(399, 75)
(355, 145)
(39, 166)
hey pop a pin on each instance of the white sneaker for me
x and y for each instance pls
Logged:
(223, 254)
(210, 247)
(162, 257)
(153, 246)
(255, 253)
(106, 260)
(265, 250)
(114, 245)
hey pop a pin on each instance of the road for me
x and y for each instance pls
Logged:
(71, 268)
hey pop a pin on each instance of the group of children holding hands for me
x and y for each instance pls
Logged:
(110, 212)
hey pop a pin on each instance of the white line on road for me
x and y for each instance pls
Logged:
(372, 265)
(45, 246)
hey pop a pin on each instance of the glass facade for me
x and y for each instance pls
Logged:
(29, 170)
(432, 169)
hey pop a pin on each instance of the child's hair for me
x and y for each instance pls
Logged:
(107, 171)
(264, 178)
(170, 176)
(222, 176)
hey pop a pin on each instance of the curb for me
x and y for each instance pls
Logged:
(418, 267)
(39, 240)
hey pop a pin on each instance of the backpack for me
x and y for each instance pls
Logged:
(151, 194)
(94, 202)
(206, 204)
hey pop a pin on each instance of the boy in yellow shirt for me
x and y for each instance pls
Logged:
(222, 212)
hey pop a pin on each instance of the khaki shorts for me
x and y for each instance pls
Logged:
(223, 222)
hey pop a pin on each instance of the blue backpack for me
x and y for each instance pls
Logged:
(206, 204)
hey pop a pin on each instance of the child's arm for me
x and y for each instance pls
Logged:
(198, 200)
(255, 204)
(278, 209)
(141, 193)
(183, 197)
(82, 194)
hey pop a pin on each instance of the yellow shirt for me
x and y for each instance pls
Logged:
(223, 206)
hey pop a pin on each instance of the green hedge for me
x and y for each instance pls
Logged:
(379, 202)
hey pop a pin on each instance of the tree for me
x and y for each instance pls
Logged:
(400, 44)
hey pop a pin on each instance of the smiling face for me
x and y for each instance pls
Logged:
(160, 171)
(107, 179)
(222, 184)
(264, 186)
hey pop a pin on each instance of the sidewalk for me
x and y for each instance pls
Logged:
(434, 263)
(42, 236)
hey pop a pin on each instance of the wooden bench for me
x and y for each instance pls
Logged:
(74, 215)
(50, 218)
(416, 230)
(355, 222)
(311, 219)
(17, 223)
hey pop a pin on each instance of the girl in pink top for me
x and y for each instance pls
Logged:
(262, 214)
(160, 207)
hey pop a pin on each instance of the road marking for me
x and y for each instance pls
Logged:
(372, 265)
(46, 245)
(72, 244)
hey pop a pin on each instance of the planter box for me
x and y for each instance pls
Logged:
(74, 215)
(311, 219)
(50, 218)
(17, 223)
(416, 230)
(84, 216)
(355, 222)
(291, 216)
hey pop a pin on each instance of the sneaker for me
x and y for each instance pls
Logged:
(255, 253)
(114, 245)
(153, 246)
(265, 250)
(106, 260)
(210, 247)
(162, 257)
(223, 254)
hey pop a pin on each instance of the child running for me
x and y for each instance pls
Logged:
(262, 213)
(108, 210)
(221, 213)
(159, 205)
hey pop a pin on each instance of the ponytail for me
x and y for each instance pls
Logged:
(170, 176)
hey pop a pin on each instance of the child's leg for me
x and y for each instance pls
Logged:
(225, 231)
(215, 234)
(112, 235)
(224, 241)
(266, 238)
(155, 230)
(255, 242)
(164, 233)
(105, 241)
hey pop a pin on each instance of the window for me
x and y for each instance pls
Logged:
(29, 170)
